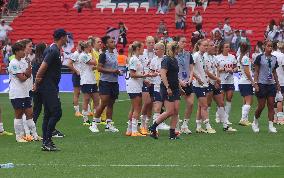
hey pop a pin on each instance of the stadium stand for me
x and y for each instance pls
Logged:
(41, 17)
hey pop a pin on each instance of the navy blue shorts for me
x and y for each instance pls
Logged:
(266, 90)
(109, 88)
(227, 87)
(246, 89)
(22, 103)
(200, 92)
(134, 95)
(282, 89)
(145, 88)
(164, 95)
(212, 88)
(89, 88)
(76, 80)
(157, 96)
(188, 90)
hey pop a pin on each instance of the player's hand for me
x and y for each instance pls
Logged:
(147, 83)
(217, 85)
(182, 92)
(170, 92)
(256, 87)
(218, 81)
(200, 82)
(116, 71)
(77, 72)
(34, 87)
(183, 83)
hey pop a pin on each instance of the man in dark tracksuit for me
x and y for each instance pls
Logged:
(46, 83)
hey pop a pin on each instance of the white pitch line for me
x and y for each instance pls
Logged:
(155, 165)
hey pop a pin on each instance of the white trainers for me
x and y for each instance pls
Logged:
(272, 130)
(185, 130)
(163, 126)
(229, 123)
(255, 127)
(111, 128)
(93, 128)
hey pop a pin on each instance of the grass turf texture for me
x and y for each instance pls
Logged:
(84, 154)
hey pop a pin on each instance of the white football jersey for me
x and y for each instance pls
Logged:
(146, 60)
(226, 62)
(280, 69)
(17, 88)
(245, 62)
(199, 70)
(211, 66)
(86, 70)
(75, 59)
(134, 85)
(155, 65)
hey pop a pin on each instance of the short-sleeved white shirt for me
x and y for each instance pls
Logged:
(280, 69)
(199, 70)
(86, 70)
(155, 65)
(211, 66)
(245, 62)
(17, 88)
(226, 62)
(146, 60)
(75, 59)
(227, 28)
(134, 85)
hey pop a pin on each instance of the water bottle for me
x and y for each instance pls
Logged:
(7, 166)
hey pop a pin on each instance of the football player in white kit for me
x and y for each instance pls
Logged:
(279, 53)
(88, 82)
(246, 83)
(227, 64)
(200, 87)
(214, 91)
(155, 67)
(74, 66)
(134, 88)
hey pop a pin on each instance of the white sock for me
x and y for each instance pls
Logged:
(26, 127)
(185, 122)
(143, 121)
(32, 127)
(89, 108)
(207, 124)
(245, 111)
(255, 120)
(77, 108)
(97, 120)
(19, 128)
(270, 123)
(155, 116)
(198, 124)
(108, 121)
(129, 127)
(208, 110)
(217, 115)
(134, 125)
(85, 115)
(222, 116)
(228, 107)
(1, 127)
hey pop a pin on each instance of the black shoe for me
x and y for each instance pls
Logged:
(49, 147)
(57, 134)
(153, 133)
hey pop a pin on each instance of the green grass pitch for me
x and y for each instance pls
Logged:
(84, 154)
